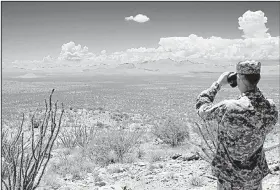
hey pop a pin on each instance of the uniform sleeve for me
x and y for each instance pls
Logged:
(272, 116)
(205, 107)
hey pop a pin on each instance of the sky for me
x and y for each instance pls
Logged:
(51, 31)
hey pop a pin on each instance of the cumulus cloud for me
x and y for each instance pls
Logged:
(218, 48)
(26, 62)
(253, 24)
(256, 44)
(138, 18)
(71, 52)
(48, 59)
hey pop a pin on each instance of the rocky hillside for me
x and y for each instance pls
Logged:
(155, 166)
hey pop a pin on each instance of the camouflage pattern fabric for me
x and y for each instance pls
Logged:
(224, 185)
(248, 67)
(243, 125)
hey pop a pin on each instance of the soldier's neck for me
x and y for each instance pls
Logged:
(249, 89)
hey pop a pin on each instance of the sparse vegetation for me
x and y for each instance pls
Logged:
(111, 146)
(171, 130)
(196, 181)
(95, 142)
(75, 166)
(26, 154)
(77, 135)
(156, 156)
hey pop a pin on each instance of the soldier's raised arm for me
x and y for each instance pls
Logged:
(205, 107)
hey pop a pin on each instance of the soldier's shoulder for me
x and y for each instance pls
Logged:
(236, 104)
(271, 102)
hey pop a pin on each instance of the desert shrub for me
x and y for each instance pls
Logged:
(196, 181)
(100, 124)
(171, 129)
(111, 146)
(75, 165)
(67, 139)
(77, 135)
(140, 153)
(26, 153)
(156, 156)
(129, 158)
(118, 116)
(52, 180)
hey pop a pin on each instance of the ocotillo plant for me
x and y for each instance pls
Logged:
(209, 133)
(25, 156)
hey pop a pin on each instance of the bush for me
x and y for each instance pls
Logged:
(196, 181)
(25, 159)
(78, 135)
(140, 153)
(74, 164)
(111, 146)
(156, 156)
(52, 180)
(171, 130)
(118, 116)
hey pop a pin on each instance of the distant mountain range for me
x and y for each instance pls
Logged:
(163, 66)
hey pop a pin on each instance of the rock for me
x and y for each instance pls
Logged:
(116, 169)
(102, 170)
(116, 187)
(190, 158)
(100, 183)
(176, 176)
(175, 156)
(65, 188)
(276, 168)
(142, 164)
(158, 141)
(156, 166)
(149, 177)
(68, 177)
(176, 165)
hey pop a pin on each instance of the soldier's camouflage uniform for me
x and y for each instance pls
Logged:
(240, 161)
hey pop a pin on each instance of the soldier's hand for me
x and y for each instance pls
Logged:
(223, 79)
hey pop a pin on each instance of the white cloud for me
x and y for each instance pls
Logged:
(71, 52)
(25, 61)
(256, 44)
(253, 24)
(138, 18)
(48, 59)
(218, 48)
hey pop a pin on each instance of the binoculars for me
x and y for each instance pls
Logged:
(232, 79)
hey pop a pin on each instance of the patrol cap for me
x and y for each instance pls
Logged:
(248, 67)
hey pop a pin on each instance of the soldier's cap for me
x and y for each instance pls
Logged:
(248, 67)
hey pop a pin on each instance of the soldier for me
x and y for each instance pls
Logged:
(239, 162)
